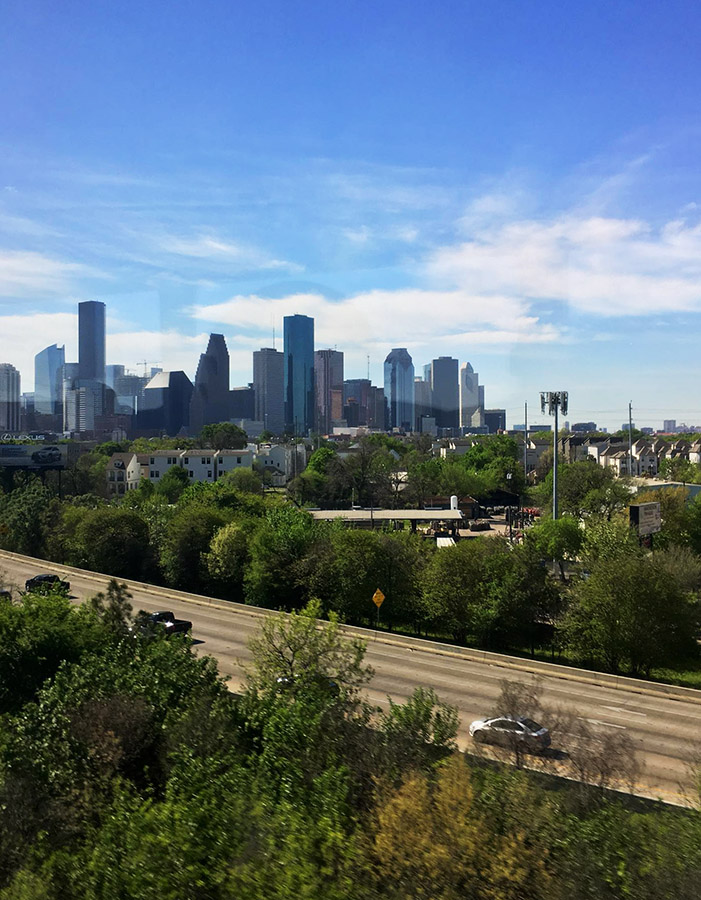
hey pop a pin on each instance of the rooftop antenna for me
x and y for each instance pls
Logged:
(368, 367)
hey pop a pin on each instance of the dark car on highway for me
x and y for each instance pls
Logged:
(161, 622)
(45, 584)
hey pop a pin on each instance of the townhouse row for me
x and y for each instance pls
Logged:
(125, 471)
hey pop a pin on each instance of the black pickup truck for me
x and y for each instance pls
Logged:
(165, 619)
(44, 584)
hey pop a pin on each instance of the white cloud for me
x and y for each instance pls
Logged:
(23, 336)
(602, 266)
(28, 274)
(382, 319)
(217, 250)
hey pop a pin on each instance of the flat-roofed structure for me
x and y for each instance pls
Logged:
(451, 518)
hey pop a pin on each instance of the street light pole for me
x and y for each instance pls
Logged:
(554, 401)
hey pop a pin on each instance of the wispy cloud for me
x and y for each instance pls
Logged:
(212, 248)
(29, 274)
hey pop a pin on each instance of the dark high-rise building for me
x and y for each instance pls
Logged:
(444, 388)
(328, 389)
(242, 402)
(399, 389)
(377, 409)
(166, 404)
(423, 400)
(210, 395)
(299, 373)
(358, 391)
(495, 420)
(351, 413)
(9, 398)
(269, 387)
(91, 341)
(48, 380)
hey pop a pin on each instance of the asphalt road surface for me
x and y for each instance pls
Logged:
(665, 731)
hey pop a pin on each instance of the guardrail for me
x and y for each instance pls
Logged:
(424, 645)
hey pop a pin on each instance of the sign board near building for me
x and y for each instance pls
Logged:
(646, 518)
(33, 456)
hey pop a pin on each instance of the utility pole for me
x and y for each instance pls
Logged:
(525, 441)
(554, 401)
(630, 439)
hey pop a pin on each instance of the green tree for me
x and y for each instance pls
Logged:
(36, 635)
(113, 541)
(113, 607)
(223, 436)
(25, 518)
(320, 459)
(557, 539)
(673, 512)
(228, 557)
(186, 540)
(173, 483)
(245, 480)
(299, 648)
(628, 614)
(277, 576)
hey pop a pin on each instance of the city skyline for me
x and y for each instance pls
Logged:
(490, 183)
(214, 364)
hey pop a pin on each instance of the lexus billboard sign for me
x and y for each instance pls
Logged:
(33, 456)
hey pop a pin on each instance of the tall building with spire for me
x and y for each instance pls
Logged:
(399, 389)
(298, 333)
(210, 401)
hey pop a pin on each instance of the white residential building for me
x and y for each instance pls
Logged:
(159, 461)
(230, 460)
(200, 465)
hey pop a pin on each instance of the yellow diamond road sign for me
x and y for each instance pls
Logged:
(377, 598)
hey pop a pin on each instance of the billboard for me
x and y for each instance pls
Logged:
(33, 456)
(646, 518)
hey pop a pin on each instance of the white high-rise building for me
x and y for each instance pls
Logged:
(471, 398)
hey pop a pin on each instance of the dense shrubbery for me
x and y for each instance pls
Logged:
(128, 770)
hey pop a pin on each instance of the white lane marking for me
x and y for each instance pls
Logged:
(597, 722)
(627, 712)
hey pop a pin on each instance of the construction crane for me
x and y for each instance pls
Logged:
(147, 363)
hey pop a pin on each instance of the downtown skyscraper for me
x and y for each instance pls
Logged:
(328, 389)
(9, 398)
(298, 333)
(48, 380)
(91, 341)
(269, 389)
(444, 391)
(399, 389)
(210, 401)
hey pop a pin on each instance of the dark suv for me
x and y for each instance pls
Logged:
(45, 584)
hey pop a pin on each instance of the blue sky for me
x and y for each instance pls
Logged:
(512, 183)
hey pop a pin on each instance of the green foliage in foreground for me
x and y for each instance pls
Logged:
(128, 770)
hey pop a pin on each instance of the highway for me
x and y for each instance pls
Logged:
(664, 726)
